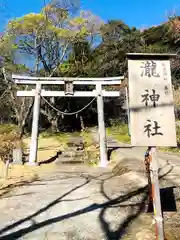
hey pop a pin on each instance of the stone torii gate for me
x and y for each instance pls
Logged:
(68, 83)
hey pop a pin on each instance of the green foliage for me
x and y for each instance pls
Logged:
(62, 137)
(119, 132)
(174, 149)
(64, 67)
(7, 48)
(43, 23)
(117, 39)
(155, 35)
(77, 21)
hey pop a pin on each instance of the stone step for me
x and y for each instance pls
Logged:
(76, 142)
(70, 162)
(71, 158)
(75, 145)
(71, 154)
(66, 160)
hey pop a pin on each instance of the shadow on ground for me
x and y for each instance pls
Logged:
(5, 191)
(52, 159)
(110, 151)
(136, 210)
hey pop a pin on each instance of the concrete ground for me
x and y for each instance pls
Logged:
(83, 202)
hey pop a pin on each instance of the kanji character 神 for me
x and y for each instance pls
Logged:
(154, 97)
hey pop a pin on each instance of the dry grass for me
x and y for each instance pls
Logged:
(47, 147)
(22, 174)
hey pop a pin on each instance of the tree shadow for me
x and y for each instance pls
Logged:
(135, 209)
(103, 207)
(47, 161)
(4, 191)
(19, 233)
(121, 230)
(50, 160)
(110, 151)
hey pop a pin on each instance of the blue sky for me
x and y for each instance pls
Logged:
(139, 13)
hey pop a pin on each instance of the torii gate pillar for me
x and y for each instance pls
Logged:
(35, 127)
(102, 129)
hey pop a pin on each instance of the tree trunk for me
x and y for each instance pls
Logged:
(54, 125)
(82, 124)
(22, 123)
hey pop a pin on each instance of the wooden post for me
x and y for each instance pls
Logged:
(102, 129)
(156, 194)
(35, 125)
